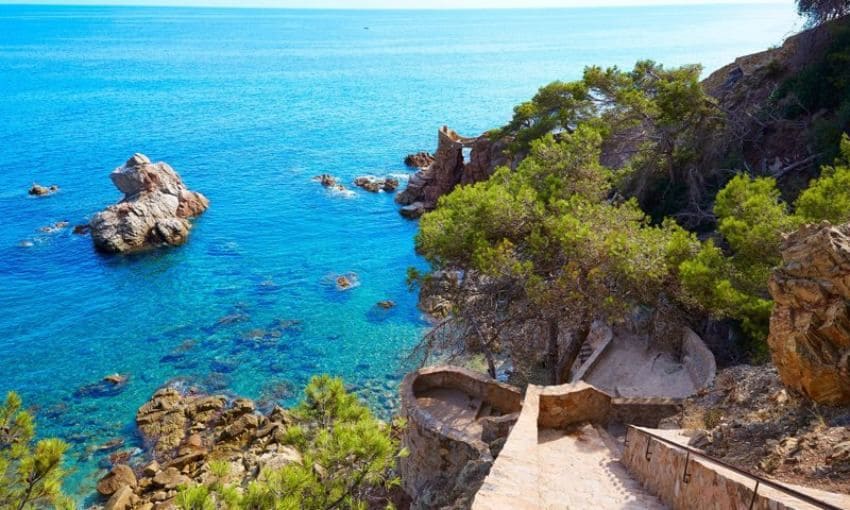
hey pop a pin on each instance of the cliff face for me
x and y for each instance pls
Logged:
(810, 325)
(752, 93)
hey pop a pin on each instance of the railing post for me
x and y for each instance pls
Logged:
(755, 492)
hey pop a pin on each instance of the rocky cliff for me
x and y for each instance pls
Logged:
(449, 169)
(154, 211)
(810, 325)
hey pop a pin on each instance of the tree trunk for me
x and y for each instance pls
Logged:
(491, 363)
(553, 348)
(565, 364)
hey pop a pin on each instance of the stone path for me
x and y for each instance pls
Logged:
(629, 369)
(553, 470)
(452, 407)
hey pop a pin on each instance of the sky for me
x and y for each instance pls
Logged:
(392, 4)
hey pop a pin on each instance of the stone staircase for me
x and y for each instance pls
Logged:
(545, 469)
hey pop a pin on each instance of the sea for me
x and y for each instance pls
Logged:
(248, 106)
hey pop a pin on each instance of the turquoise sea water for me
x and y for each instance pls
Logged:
(248, 105)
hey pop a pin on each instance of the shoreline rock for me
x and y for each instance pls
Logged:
(155, 210)
(376, 184)
(419, 160)
(183, 432)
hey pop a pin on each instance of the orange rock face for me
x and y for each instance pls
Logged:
(810, 325)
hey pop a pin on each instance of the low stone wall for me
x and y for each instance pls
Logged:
(445, 463)
(570, 404)
(643, 412)
(698, 360)
(704, 485)
(580, 402)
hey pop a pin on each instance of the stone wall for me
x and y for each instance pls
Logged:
(644, 412)
(704, 485)
(571, 404)
(446, 464)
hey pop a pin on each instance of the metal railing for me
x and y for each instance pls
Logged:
(759, 481)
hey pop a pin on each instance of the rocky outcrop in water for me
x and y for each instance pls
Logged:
(448, 169)
(810, 325)
(183, 433)
(376, 184)
(155, 210)
(419, 160)
(37, 190)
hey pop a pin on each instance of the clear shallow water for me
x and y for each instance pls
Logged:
(248, 106)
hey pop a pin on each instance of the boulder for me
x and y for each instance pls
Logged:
(419, 160)
(413, 211)
(376, 184)
(810, 324)
(120, 476)
(170, 478)
(37, 190)
(122, 499)
(155, 210)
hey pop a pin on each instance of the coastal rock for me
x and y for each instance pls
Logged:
(120, 476)
(326, 180)
(162, 420)
(82, 230)
(386, 304)
(449, 169)
(184, 432)
(810, 324)
(122, 499)
(37, 190)
(413, 211)
(376, 184)
(419, 160)
(154, 211)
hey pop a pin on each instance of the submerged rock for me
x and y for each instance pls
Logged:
(154, 211)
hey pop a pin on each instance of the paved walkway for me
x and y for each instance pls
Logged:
(452, 407)
(553, 470)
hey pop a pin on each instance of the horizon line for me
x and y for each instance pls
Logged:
(241, 5)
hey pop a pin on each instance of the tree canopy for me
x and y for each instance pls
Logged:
(547, 237)
(31, 471)
(819, 11)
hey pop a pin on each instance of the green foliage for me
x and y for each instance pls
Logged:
(347, 454)
(752, 218)
(31, 472)
(623, 107)
(548, 234)
(828, 197)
